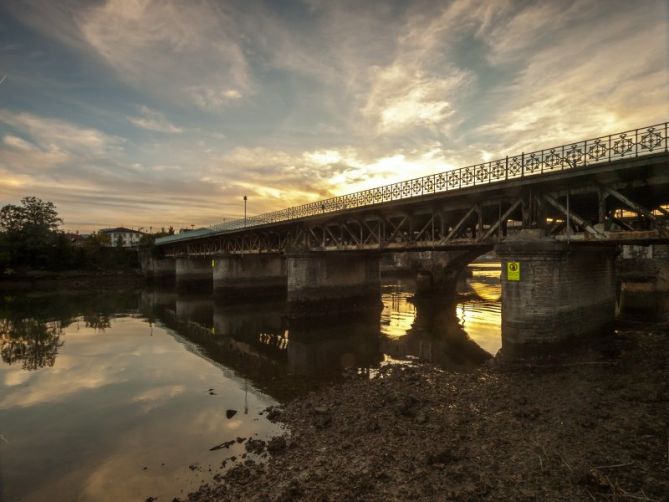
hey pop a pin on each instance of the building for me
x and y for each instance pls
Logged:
(122, 237)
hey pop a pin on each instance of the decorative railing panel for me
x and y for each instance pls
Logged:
(602, 150)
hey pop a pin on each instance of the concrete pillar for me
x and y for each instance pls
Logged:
(157, 270)
(326, 283)
(560, 292)
(643, 275)
(249, 277)
(194, 274)
(163, 270)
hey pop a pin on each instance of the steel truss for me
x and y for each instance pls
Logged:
(604, 150)
(594, 213)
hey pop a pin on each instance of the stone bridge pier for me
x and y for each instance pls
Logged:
(328, 283)
(194, 274)
(555, 292)
(249, 276)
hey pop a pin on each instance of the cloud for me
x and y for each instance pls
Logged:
(177, 51)
(16, 142)
(569, 89)
(153, 121)
(300, 177)
(286, 108)
(51, 134)
(403, 98)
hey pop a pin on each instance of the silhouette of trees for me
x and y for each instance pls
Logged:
(30, 239)
(29, 230)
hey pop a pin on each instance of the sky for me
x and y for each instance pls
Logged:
(154, 113)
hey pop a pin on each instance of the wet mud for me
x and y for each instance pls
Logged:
(591, 426)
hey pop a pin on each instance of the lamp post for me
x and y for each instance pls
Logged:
(245, 211)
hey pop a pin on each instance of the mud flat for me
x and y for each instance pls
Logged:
(587, 427)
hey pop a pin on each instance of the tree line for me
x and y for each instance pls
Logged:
(31, 239)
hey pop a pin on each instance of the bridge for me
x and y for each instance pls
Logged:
(556, 218)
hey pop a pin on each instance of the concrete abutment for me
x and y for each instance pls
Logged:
(194, 274)
(253, 276)
(554, 292)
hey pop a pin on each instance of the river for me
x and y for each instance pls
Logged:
(126, 395)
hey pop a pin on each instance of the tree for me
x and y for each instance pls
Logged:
(11, 219)
(29, 230)
(32, 214)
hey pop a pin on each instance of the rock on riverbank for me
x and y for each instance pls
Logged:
(590, 428)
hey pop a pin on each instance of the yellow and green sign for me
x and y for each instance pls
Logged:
(513, 271)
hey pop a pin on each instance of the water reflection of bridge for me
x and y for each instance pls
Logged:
(259, 342)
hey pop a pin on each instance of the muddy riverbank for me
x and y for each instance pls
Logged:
(592, 426)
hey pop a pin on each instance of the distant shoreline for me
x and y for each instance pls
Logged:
(71, 279)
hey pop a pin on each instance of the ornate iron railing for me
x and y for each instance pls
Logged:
(602, 150)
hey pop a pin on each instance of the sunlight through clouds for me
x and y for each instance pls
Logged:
(167, 113)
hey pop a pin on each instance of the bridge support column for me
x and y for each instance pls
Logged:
(560, 292)
(643, 274)
(249, 277)
(163, 270)
(157, 270)
(194, 274)
(326, 283)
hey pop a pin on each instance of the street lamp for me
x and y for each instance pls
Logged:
(245, 211)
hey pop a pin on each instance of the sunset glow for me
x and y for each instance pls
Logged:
(156, 113)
